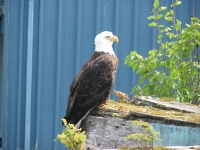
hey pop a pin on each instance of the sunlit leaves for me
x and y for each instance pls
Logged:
(178, 24)
(151, 17)
(176, 3)
(170, 35)
(156, 4)
(72, 137)
(152, 24)
(169, 18)
(172, 70)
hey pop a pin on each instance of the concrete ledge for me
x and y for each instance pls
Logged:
(108, 133)
(104, 131)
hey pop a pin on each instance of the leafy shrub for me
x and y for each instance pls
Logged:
(72, 137)
(173, 70)
(146, 139)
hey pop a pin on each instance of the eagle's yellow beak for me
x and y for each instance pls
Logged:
(113, 38)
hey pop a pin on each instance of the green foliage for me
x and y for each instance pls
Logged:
(72, 137)
(173, 70)
(144, 139)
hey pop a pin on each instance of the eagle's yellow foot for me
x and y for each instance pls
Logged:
(102, 106)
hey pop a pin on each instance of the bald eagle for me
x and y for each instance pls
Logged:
(93, 84)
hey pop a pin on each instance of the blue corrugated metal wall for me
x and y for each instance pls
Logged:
(185, 136)
(62, 34)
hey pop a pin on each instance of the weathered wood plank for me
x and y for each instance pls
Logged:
(171, 104)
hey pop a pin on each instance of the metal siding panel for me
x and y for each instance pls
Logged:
(134, 41)
(1, 82)
(58, 76)
(4, 92)
(183, 12)
(141, 37)
(172, 135)
(22, 74)
(116, 33)
(196, 8)
(13, 73)
(35, 75)
(29, 76)
(12, 77)
(39, 71)
(68, 45)
(78, 46)
(194, 136)
(85, 31)
(64, 35)
(48, 74)
(88, 30)
(145, 32)
(124, 28)
(5, 78)
(69, 40)
(19, 116)
(98, 14)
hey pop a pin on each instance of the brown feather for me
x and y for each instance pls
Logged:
(92, 85)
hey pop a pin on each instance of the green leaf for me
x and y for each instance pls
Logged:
(152, 24)
(198, 66)
(172, 70)
(156, 3)
(168, 18)
(152, 52)
(161, 26)
(151, 90)
(159, 16)
(143, 78)
(181, 41)
(176, 3)
(171, 35)
(195, 19)
(141, 71)
(160, 36)
(187, 25)
(137, 90)
(167, 29)
(151, 17)
(167, 14)
(168, 62)
(178, 22)
(162, 8)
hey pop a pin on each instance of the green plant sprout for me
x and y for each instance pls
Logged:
(145, 140)
(72, 137)
(172, 71)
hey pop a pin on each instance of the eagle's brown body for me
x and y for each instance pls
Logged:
(91, 86)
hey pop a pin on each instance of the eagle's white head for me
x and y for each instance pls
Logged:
(103, 42)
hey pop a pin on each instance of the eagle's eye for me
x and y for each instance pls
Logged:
(107, 36)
